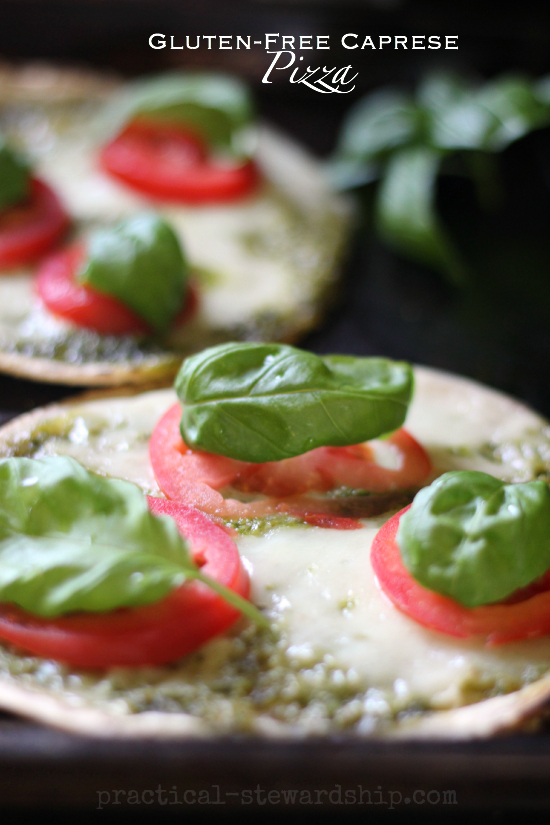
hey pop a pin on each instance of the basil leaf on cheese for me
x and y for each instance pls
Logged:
(74, 541)
(266, 402)
(14, 177)
(70, 540)
(216, 106)
(475, 538)
(141, 263)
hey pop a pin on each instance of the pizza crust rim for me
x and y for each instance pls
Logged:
(523, 709)
(43, 81)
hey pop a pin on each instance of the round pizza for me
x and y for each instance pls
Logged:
(141, 222)
(282, 545)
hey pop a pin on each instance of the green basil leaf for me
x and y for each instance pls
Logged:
(74, 541)
(70, 540)
(217, 106)
(405, 211)
(376, 125)
(517, 108)
(476, 539)
(140, 261)
(14, 177)
(456, 117)
(266, 402)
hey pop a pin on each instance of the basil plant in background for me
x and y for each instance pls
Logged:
(403, 142)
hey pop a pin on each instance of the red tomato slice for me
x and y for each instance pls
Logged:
(28, 230)
(196, 478)
(525, 615)
(88, 308)
(171, 163)
(151, 635)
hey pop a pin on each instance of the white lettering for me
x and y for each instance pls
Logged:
(368, 42)
(161, 44)
(345, 45)
(275, 61)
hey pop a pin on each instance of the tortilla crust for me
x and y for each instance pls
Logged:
(522, 709)
(281, 158)
(101, 374)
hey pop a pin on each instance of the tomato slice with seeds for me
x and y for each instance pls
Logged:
(524, 615)
(169, 162)
(84, 306)
(151, 635)
(197, 478)
(30, 229)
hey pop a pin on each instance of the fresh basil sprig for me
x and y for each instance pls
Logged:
(14, 176)
(139, 261)
(267, 402)
(405, 141)
(475, 538)
(74, 541)
(217, 106)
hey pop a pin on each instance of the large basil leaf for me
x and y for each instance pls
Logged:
(140, 261)
(217, 106)
(70, 540)
(476, 539)
(14, 176)
(266, 402)
(406, 215)
(74, 541)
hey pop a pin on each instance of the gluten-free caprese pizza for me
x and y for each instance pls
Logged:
(142, 222)
(330, 556)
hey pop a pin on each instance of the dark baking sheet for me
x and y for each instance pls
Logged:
(386, 307)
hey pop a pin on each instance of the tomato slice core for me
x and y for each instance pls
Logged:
(524, 616)
(30, 229)
(197, 478)
(84, 306)
(151, 635)
(172, 163)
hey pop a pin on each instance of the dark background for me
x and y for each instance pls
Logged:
(496, 331)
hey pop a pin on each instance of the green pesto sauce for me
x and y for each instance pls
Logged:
(82, 346)
(254, 675)
(531, 455)
(259, 526)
